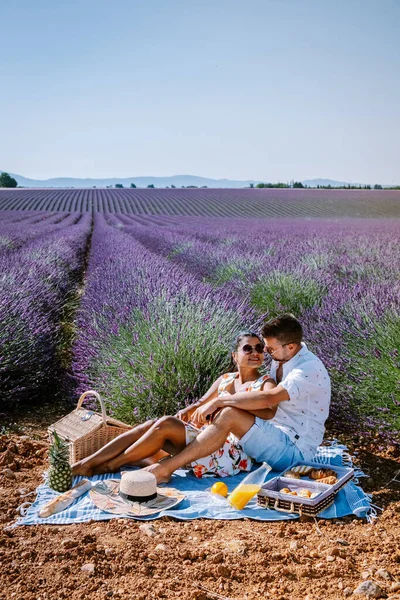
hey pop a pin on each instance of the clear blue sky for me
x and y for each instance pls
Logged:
(263, 89)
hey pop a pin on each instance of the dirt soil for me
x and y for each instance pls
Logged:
(310, 559)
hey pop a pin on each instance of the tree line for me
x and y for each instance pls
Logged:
(299, 184)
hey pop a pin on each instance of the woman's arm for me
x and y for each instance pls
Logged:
(186, 413)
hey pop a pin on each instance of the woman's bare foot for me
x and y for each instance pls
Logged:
(105, 468)
(82, 468)
(161, 472)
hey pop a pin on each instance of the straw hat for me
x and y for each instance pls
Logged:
(136, 494)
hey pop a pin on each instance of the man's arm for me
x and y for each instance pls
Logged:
(254, 400)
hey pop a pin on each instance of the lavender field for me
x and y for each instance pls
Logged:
(143, 307)
(246, 202)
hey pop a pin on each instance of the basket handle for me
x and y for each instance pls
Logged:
(286, 510)
(98, 397)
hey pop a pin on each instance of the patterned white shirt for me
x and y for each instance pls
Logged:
(303, 416)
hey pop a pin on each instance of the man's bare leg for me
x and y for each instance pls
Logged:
(87, 465)
(228, 420)
(168, 434)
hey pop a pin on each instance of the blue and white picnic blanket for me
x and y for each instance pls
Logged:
(201, 504)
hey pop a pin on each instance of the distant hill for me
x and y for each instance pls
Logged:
(141, 182)
(158, 182)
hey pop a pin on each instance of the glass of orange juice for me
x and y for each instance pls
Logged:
(248, 488)
(242, 494)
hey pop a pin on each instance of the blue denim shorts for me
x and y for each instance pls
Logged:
(265, 442)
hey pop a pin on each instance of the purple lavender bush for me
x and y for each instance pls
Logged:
(37, 284)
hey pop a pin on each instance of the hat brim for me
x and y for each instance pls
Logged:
(105, 495)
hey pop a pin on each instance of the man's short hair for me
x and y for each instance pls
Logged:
(285, 328)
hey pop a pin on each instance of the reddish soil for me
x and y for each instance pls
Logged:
(201, 560)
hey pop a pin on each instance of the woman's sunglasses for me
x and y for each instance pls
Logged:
(248, 349)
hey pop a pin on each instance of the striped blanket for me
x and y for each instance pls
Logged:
(200, 504)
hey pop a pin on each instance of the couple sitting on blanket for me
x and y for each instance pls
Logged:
(277, 418)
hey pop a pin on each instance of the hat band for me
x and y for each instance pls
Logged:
(137, 498)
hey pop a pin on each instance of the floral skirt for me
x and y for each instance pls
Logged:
(228, 460)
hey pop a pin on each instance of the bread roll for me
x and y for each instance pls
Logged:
(318, 474)
(292, 475)
(304, 493)
(328, 480)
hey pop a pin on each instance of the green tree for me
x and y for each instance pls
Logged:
(377, 186)
(7, 181)
(133, 185)
(151, 185)
(119, 185)
(297, 184)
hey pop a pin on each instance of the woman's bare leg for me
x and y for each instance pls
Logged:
(229, 420)
(168, 434)
(87, 465)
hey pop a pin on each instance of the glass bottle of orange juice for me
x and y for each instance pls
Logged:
(249, 487)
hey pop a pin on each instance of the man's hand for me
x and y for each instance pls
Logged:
(186, 413)
(204, 413)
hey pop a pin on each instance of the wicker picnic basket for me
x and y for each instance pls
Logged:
(87, 431)
(270, 495)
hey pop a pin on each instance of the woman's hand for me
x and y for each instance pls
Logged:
(203, 414)
(185, 414)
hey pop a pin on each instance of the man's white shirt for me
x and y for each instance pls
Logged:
(303, 416)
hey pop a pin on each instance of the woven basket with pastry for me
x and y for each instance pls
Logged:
(304, 488)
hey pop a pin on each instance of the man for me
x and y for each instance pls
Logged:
(302, 398)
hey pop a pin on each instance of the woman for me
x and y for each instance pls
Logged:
(149, 443)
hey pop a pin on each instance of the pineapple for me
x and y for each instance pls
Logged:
(60, 474)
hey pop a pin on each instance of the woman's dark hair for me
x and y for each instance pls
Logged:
(285, 328)
(244, 334)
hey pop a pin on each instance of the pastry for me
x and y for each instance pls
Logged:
(292, 493)
(314, 494)
(328, 480)
(285, 491)
(302, 469)
(292, 475)
(62, 501)
(321, 473)
(304, 493)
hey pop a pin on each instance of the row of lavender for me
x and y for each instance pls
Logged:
(41, 265)
(17, 228)
(341, 278)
